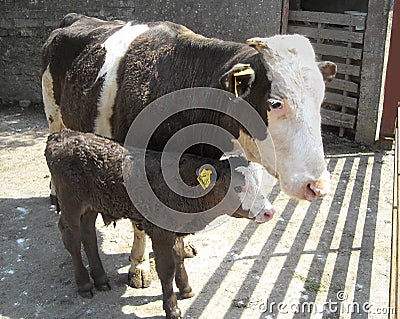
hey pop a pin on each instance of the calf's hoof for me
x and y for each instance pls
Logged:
(85, 290)
(103, 286)
(88, 294)
(190, 250)
(176, 314)
(139, 278)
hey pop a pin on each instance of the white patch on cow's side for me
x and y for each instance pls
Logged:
(116, 46)
(254, 194)
(51, 108)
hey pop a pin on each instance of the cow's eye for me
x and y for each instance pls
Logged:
(275, 104)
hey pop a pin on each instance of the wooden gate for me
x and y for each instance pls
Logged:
(338, 38)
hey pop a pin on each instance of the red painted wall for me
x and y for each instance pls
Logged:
(392, 84)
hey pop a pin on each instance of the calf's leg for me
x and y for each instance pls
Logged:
(70, 233)
(163, 244)
(181, 277)
(89, 240)
(139, 275)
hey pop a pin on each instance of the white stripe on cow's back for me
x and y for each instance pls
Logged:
(116, 46)
(51, 108)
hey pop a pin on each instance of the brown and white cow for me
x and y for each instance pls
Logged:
(98, 75)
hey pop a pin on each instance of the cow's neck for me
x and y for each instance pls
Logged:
(209, 59)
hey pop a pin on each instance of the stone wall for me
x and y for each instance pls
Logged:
(25, 24)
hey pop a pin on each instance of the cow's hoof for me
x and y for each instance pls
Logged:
(54, 202)
(186, 293)
(190, 250)
(139, 278)
(88, 294)
(103, 286)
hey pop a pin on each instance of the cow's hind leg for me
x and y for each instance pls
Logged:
(139, 275)
(190, 250)
(89, 240)
(163, 245)
(71, 238)
(51, 108)
(181, 277)
(53, 117)
(53, 198)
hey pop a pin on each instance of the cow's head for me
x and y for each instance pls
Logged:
(292, 103)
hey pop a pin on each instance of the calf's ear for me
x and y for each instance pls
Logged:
(328, 70)
(238, 80)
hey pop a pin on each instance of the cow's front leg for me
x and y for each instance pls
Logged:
(139, 275)
(163, 246)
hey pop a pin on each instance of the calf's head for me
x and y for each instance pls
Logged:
(252, 192)
(292, 150)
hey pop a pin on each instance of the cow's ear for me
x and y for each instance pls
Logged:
(328, 70)
(238, 80)
(257, 43)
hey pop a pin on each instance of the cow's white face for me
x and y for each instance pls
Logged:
(253, 194)
(294, 120)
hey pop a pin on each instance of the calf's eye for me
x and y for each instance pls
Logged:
(275, 104)
(238, 189)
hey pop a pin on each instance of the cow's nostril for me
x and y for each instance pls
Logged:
(314, 190)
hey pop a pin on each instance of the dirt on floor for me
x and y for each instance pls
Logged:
(327, 259)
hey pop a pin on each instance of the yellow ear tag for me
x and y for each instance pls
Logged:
(247, 71)
(204, 178)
